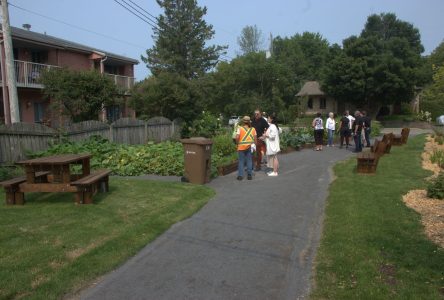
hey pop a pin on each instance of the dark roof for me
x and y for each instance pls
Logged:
(27, 35)
(310, 88)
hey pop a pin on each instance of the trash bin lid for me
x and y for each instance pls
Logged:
(197, 140)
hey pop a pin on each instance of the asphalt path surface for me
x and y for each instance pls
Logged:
(256, 239)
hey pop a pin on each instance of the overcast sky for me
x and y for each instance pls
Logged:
(106, 25)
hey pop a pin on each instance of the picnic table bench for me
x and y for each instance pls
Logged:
(11, 186)
(89, 185)
(368, 161)
(53, 174)
(401, 139)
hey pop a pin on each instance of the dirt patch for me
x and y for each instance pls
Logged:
(388, 273)
(431, 210)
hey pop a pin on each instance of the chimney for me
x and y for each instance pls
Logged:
(26, 26)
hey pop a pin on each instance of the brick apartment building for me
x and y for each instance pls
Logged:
(35, 52)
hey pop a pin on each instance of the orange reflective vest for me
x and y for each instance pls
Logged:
(246, 138)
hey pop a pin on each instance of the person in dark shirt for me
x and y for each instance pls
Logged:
(261, 125)
(344, 130)
(367, 122)
(357, 131)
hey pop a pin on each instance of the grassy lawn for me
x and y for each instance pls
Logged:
(373, 246)
(50, 246)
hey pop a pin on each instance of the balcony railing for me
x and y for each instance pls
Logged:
(28, 73)
(124, 82)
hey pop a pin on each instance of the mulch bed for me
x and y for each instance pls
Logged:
(431, 210)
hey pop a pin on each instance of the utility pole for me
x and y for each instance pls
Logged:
(10, 71)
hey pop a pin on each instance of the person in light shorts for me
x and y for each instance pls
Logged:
(272, 144)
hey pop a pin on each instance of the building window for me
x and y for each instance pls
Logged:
(113, 113)
(40, 57)
(310, 103)
(322, 103)
(39, 111)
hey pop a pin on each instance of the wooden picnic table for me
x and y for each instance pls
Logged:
(60, 175)
(54, 174)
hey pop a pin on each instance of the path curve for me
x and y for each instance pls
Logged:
(255, 240)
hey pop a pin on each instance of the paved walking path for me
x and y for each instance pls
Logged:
(255, 240)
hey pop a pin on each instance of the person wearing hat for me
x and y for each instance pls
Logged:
(246, 139)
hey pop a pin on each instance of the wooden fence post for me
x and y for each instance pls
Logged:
(111, 133)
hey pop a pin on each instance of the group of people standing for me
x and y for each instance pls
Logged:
(260, 136)
(358, 126)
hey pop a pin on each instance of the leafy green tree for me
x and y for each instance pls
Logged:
(79, 94)
(436, 58)
(251, 39)
(247, 82)
(380, 67)
(305, 54)
(180, 41)
(433, 95)
(169, 95)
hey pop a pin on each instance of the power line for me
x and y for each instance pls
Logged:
(155, 18)
(77, 27)
(148, 17)
(139, 12)
(144, 19)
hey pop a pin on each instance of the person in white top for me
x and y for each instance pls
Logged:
(331, 127)
(318, 131)
(352, 120)
(273, 146)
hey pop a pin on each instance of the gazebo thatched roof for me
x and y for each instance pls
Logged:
(310, 88)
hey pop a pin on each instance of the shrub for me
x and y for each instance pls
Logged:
(424, 116)
(223, 145)
(376, 128)
(439, 139)
(9, 172)
(296, 137)
(435, 188)
(437, 157)
(206, 125)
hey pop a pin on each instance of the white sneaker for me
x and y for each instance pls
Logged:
(272, 174)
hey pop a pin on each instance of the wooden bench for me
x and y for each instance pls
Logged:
(387, 139)
(12, 189)
(368, 161)
(402, 138)
(89, 185)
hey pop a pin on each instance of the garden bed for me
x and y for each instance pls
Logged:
(431, 210)
(227, 169)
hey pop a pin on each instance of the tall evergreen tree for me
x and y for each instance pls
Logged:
(180, 38)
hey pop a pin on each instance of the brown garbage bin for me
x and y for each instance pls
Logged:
(197, 160)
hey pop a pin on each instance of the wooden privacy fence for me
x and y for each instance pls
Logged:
(19, 139)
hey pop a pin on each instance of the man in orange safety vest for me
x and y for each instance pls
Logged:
(246, 140)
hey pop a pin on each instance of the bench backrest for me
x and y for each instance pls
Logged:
(405, 135)
(380, 148)
(387, 138)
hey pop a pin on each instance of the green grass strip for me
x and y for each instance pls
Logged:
(50, 246)
(373, 246)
